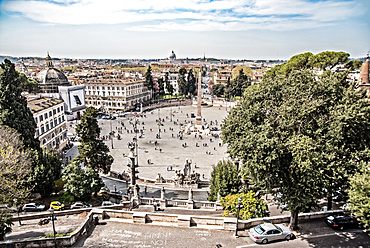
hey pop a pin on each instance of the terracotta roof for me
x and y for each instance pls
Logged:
(42, 103)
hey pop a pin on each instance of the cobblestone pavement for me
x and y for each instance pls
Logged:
(114, 234)
(169, 150)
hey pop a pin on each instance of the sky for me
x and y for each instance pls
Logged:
(151, 29)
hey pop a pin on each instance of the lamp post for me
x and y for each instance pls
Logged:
(52, 219)
(238, 207)
(110, 135)
(18, 210)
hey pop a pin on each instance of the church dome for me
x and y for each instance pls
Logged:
(172, 56)
(49, 79)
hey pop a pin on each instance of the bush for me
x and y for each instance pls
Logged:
(59, 184)
(253, 207)
(65, 197)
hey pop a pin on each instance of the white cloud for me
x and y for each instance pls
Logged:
(195, 15)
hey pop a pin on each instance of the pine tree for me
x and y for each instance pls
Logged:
(14, 112)
(93, 152)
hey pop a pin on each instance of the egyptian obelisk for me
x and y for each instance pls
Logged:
(199, 103)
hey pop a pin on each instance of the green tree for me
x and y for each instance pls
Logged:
(14, 112)
(225, 180)
(218, 90)
(168, 84)
(299, 134)
(149, 83)
(6, 223)
(28, 85)
(81, 182)
(181, 82)
(161, 87)
(191, 86)
(47, 169)
(238, 84)
(253, 206)
(93, 152)
(15, 164)
(359, 195)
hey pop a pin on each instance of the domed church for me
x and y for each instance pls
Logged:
(50, 78)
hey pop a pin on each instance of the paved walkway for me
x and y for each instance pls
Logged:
(169, 150)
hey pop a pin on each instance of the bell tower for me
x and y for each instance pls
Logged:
(49, 62)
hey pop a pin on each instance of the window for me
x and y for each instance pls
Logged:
(47, 126)
(41, 118)
(37, 132)
(58, 109)
(36, 120)
(59, 120)
(63, 118)
(108, 88)
(102, 87)
(55, 122)
(97, 87)
(51, 124)
(42, 129)
(54, 111)
(122, 88)
(50, 114)
(46, 115)
(61, 108)
(112, 88)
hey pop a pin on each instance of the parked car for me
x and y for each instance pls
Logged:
(32, 207)
(57, 205)
(107, 203)
(78, 205)
(268, 232)
(342, 222)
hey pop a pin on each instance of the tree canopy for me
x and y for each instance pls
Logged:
(359, 195)
(14, 112)
(81, 182)
(93, 151)
(168, 84)
(181, 82)
(300, 133)
(225, 180)
(46, 170)
(149, 79)
(15, 167)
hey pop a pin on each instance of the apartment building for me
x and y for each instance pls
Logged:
(51, 122)
(221, 76)
(115, 94)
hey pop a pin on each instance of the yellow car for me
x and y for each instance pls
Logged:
(57, 205)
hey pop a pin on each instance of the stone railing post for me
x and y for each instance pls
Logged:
(190, 200)
(163, 198)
